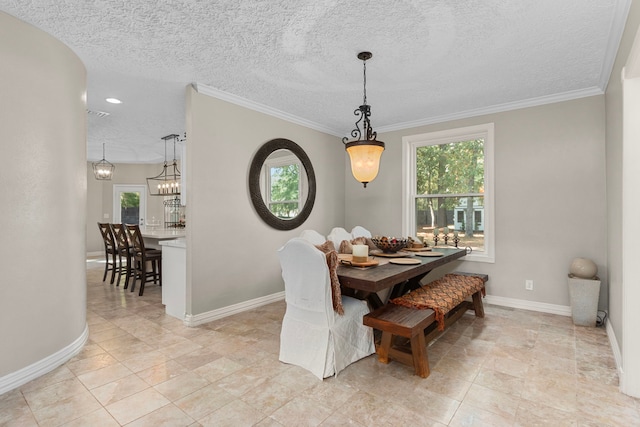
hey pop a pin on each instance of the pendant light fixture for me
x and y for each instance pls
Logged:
(103, 170)
(167, 183)
(365, 151)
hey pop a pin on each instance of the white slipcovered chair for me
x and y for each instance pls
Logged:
(313, 236)
(337, 235)
(313, 336)
(359, 231)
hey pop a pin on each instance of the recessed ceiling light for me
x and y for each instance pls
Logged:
(113, 101)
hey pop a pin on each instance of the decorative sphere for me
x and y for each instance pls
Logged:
(583, 268)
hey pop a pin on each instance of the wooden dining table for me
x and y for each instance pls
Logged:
(365, 282)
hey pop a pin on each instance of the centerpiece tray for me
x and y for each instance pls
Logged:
(424, 249)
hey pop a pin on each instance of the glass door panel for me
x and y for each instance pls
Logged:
(129, 205)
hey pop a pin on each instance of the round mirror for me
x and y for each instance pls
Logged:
(282, 184)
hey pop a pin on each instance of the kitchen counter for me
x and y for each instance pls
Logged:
(162, 233)
(154, 235)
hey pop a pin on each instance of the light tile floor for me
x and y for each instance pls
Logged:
(144, 368)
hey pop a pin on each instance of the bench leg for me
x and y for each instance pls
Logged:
(385, 346)
(419, 353)
(477, 304)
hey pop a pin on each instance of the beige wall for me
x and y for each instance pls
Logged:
(549, 202)
(43, 148)
(231, 252)
(100, 198)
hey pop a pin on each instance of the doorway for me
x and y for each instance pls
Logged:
(129, 204)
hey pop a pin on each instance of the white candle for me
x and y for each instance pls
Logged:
(360, 253)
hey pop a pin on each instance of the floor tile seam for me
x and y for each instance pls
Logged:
(57, 403)
(231, 402)
(490, 409)
(527, 404)
(181, 397)
(200, 417)
(157, 409)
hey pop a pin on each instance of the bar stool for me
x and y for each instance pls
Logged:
(124, 251)
(110, 251)
(140, 257)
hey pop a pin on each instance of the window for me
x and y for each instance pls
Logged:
(283, 184)
(449, 185)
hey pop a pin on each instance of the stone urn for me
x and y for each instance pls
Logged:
(584, 291)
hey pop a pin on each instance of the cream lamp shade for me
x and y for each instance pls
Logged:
(365, 160)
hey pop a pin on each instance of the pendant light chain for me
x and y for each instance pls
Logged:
(364, 79)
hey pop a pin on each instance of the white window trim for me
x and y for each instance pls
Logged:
(409, 145)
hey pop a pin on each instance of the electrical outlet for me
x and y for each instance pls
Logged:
(528, 284)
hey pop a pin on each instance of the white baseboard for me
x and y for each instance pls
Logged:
(41, 367)
(562, 310)
(615, 348)
(209, 316)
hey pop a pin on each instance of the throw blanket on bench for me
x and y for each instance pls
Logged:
(442, 295)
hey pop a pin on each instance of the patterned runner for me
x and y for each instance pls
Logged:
(442, 295)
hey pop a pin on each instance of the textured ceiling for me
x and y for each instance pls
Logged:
(432, 59)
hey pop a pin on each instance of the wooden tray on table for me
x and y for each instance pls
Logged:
(347, 259)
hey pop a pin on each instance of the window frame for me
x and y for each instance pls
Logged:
(410, 144)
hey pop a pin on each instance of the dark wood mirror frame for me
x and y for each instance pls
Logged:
(254, 184)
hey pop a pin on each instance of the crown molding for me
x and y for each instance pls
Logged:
(526, 103)
(261, 108)
(499, 108)
(616, 31)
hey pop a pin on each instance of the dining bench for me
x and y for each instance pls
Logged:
(410, 318)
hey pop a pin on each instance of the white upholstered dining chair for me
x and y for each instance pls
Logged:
(313, 236)
(337, 235)
(359, 231)
(313, 336)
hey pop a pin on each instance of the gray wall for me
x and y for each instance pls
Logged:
(231, 252)
(549, 202)
(42, 258)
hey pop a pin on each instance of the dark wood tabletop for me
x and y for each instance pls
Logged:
(400, 277)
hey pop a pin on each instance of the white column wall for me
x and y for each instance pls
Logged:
(630, 370)
(43, 190)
